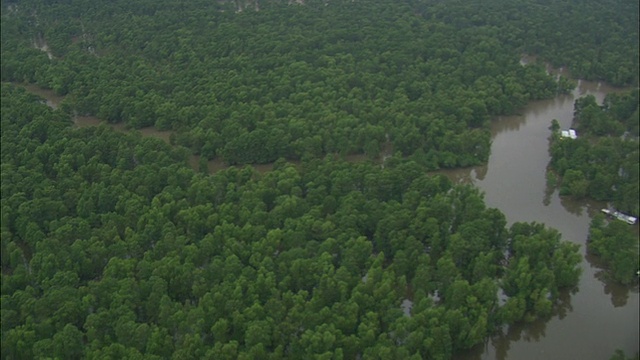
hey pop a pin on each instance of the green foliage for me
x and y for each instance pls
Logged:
(617, 245)
(574, 183)
(600, 164)
(540, 264)
(586, 37)
(112, 247)
(600, 121)
(565, 85)
(301, 82)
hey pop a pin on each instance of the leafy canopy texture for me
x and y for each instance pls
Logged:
(112, 246)
(302, 81)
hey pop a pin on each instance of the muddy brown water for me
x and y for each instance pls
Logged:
(602, 316)
(589, 324)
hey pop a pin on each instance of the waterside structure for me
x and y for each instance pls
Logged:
(620, 216)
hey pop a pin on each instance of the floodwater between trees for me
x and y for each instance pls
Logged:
(588, 324)
(601, 316)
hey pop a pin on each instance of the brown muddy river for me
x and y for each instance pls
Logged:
(601, 316)
(591, 323)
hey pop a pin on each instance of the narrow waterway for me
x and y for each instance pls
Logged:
(213, 165)
(53, 101)
(601, 316)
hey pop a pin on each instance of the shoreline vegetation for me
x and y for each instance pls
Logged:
(112, 246)
(603, 164)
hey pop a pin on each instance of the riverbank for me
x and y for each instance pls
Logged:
(601, 315)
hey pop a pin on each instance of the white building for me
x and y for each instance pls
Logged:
(571, 133)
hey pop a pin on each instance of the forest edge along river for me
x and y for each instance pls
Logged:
(601, 316)
(588, 324)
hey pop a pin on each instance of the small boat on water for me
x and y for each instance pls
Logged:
(620, 216)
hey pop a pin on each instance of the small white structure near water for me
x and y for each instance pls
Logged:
(571, 133)
(620, 216)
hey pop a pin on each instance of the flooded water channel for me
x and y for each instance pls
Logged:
(589, 324)
(601, 316)
(53, 101)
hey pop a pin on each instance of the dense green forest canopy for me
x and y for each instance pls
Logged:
(301, 81)
(617, 245)
(112, 246)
